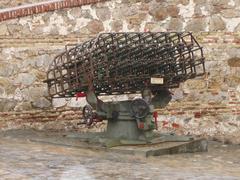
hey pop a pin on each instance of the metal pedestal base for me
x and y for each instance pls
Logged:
(125, 129)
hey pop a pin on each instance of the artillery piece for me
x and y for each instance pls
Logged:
(149, 63)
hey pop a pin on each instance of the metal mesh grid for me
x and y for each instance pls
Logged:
(120, 63)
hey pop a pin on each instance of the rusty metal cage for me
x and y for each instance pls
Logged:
(120, 63)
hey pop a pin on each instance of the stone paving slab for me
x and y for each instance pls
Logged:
(76, 139)
(24, 159)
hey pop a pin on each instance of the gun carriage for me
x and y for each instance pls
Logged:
(149, 63)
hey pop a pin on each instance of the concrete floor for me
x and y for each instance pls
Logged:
(20, 159)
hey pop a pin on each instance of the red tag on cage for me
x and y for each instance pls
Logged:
(141, 125)
(80, 94)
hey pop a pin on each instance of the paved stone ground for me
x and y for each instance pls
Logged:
(30, 160)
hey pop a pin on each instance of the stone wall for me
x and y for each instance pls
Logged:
(207, 106)
(41, 7)
(13, 3)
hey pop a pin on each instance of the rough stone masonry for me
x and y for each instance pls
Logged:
(207, 106)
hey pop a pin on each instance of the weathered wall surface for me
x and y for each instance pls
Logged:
(205, 106)
(13, 3)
